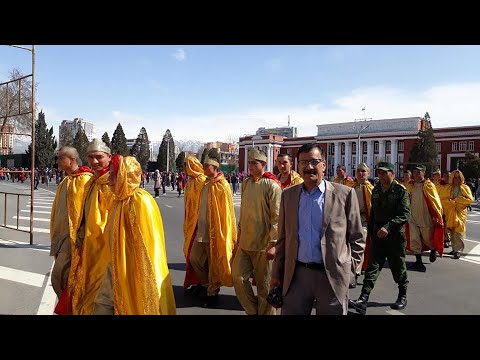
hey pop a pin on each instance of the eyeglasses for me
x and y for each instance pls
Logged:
(313, 162)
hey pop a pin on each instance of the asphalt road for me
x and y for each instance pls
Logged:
(447, 287)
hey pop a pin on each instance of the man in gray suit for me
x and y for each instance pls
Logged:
(319, 236)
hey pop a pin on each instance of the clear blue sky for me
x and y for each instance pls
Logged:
(213, 92)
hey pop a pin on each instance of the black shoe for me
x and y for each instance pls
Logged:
(433, 255)
(359, 305)
(417, 266)
(452, 252)
(353, 283)
(400, 303)
(456, 255)
(211, 301)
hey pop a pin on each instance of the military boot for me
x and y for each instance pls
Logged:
(359, 305)
(401, 300)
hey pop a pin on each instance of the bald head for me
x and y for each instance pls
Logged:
(67, 159)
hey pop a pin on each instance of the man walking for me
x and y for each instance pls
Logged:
(257, 235)
(66, 206)
(320, 236)
(390, 211)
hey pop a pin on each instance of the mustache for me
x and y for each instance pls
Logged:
(313, 172)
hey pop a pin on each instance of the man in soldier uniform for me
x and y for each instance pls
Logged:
(390, 211)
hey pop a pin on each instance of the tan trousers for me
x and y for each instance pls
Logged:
(457, 240)
(199, 255)
(244, 265)
(358, 269)
(419, 235)
(61, 268)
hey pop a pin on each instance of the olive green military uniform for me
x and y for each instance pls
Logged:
(391, 210)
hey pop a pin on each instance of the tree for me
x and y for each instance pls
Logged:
(232, 164)
(471, 167)
(119, 142)
(80, 142)
(17, 110)
(106, 140)
(45, 144)
(180, 161)
(141, 148)
(167, 145)
(204, 153)
(425, 150)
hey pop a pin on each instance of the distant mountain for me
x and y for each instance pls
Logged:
(188, 145)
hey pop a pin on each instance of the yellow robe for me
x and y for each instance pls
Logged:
(196, 181)
(89, 262)
(347, 181)
(223, 232)
(75, 185)
(140, 276)
(456, 207)
(295, 179)
(367, 196)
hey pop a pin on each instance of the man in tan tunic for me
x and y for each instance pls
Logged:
(257, 235)
(216, 236)
(425, 225)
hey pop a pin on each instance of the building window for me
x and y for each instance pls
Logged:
(400, 146)
(400, 158)
(462, 146)
(470, 146)
(375, 147)
(354, 160)
(439, 147)
(354, 148)
(454, 146)
(342, 150)
(387, 158)
(331, 149)
(343, 160)
(364, 146)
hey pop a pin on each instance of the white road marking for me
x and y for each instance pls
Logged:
(40, 202)
(49, 298)
(39, 206)
(168, 206)
(37, 211)
(20, 276)
(394, 312)
(475, 241)
(28, 218)
(27, 228)
(473, 255)
(22, 244)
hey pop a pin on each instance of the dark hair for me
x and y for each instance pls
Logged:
(283, 155)
(305, 148)
(341, 167)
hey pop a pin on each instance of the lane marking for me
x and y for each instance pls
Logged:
(20, 276)
(28, 218)
(27, 228)
(37, 211)
(25, 245)
(49, 297)
(394, 312)
(473, 255)
(168, 206)
(39, 206)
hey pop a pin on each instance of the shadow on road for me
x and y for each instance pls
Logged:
(225, 302)
(177, 266)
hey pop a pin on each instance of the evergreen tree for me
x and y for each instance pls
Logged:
(80, 142)
(424, 151)
(204, 153)
(167, 145)
(471, 167)
(180, 160)
(106, 140)
(141, 148)
(119, 142)
(45, 144)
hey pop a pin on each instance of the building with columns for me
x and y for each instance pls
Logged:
(379, 140)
